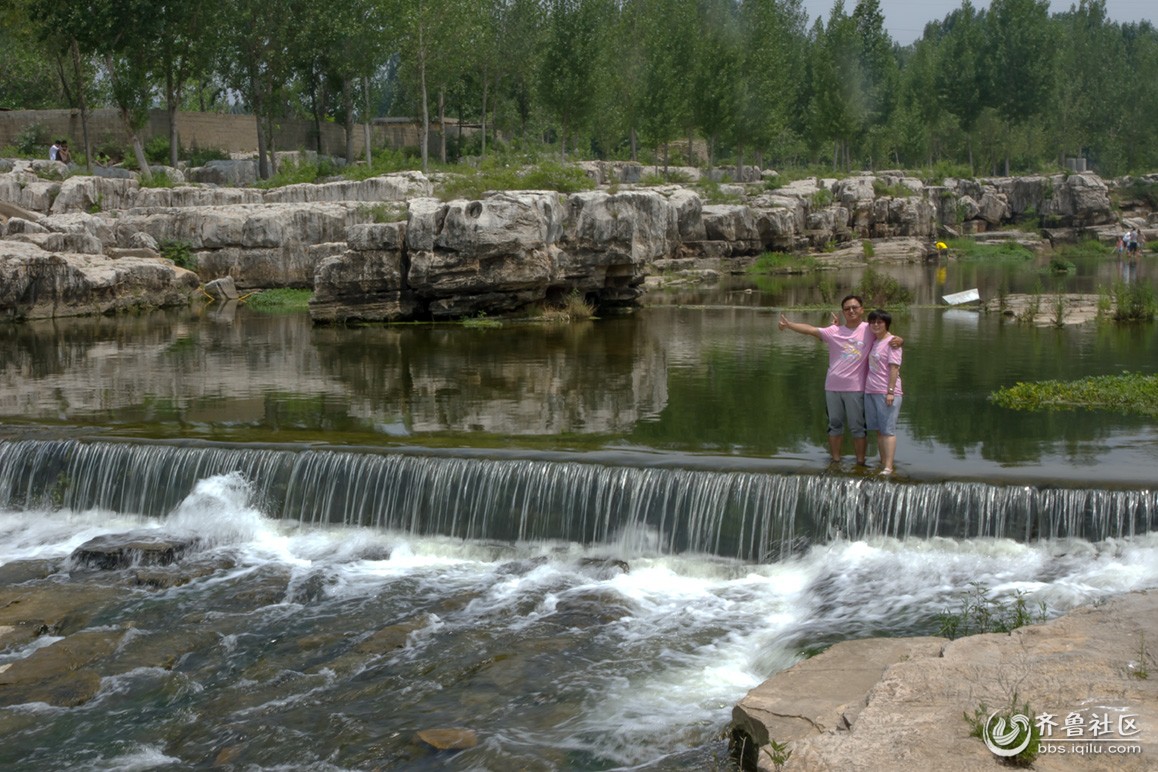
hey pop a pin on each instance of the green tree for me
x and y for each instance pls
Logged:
(255, 60)
(1021, 49)
(567, 79)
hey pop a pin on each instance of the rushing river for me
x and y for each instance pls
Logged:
(583, 543)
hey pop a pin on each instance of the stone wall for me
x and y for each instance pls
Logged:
(229, 132)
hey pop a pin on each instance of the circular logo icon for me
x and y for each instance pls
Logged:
(1001, 734)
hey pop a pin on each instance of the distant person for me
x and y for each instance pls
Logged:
(849, 344)
(63, 154)
(1135, 242)
(54, 151)
(882, 388)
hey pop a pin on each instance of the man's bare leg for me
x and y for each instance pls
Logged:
(860, 447)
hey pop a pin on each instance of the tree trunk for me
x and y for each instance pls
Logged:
(634, 146)
(366, 119)
(172, 102)
(483, 151)
(442, 125)
(348, 111)
(425, 111)
(82, 103)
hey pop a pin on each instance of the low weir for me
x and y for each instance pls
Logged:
(750, 516)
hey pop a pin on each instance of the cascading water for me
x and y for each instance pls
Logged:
(741, 515)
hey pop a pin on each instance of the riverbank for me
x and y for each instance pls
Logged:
(903, 703)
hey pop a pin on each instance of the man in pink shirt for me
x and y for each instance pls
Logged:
(849, 344)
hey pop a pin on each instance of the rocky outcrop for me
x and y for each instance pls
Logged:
(886, 704)
(37, 282)
(507, 252)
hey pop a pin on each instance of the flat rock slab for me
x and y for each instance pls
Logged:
(1094, 661)
(122, 550)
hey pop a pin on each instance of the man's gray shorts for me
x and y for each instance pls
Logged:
(845, 410)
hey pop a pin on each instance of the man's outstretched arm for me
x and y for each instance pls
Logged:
(800, 327)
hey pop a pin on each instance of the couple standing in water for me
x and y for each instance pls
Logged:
(862, 390)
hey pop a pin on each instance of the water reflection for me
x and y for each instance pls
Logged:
(704, 385)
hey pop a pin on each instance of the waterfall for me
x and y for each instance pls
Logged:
(746, 515)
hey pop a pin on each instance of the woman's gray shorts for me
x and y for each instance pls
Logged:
(845, 408)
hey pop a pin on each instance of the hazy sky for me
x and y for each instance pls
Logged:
(905, 19)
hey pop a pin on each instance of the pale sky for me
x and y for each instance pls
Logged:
(905, 19)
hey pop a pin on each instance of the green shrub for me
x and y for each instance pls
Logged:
(821, 198)
(157, 151)
(979, 613)
(32, 141)
(199, 156)
(880, 290)
(181, 253)
(1134, 302)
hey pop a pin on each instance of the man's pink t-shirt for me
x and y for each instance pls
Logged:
(848, 351)
(880, 357)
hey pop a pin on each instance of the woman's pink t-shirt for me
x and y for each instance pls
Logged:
(880, 357)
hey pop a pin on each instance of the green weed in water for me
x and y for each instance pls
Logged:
(1125, 393)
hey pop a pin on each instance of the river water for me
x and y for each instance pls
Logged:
(585, 543)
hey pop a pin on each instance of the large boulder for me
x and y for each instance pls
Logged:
(36, 284)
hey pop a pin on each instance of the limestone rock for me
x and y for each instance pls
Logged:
(835, 717)
(36, 284)
(221, 289)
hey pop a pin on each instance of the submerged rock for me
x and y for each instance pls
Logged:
(122, 550)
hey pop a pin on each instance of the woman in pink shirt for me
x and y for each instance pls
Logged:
(882, 388)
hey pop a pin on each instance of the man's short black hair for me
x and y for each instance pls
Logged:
(852, 297)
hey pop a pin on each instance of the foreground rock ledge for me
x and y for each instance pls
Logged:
(889, 704)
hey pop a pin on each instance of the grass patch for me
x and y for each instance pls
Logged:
(291, 173)
(782, 262)
(575, 308)
(384, 212)
(384, 162)
(481, 322)
(971, 249)
(711, 193)
(546, 175)
(1126, 393)
(896, 190)
(1083, 249)
(280, 300)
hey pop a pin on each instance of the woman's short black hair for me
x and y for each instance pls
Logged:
(883, 315)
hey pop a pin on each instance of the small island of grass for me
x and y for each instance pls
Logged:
(1125, 393)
